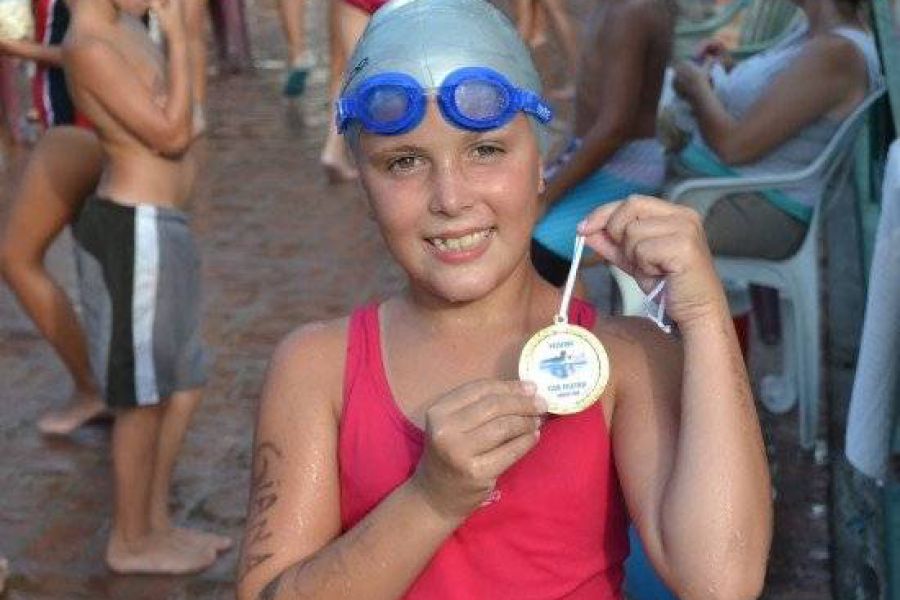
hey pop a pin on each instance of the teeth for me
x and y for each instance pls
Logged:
(459, 244)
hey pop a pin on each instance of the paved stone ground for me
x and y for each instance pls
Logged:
(280, 248)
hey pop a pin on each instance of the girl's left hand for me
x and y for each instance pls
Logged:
(653, 239)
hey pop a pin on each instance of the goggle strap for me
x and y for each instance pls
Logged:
(346, 111)
(532, 104)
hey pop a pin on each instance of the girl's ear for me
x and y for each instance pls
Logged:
(542, 183)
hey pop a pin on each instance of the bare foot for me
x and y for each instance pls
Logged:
(202, 539)
(335, 162)
(338, 172)
(81, 409)
(161, 554)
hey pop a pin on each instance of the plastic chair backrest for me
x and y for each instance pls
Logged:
(838, 154)
(839, 149)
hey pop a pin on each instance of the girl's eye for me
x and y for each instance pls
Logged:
(486, 151)
(403, 163)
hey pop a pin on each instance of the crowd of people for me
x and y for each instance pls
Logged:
(392, 484)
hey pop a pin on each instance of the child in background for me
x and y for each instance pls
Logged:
(63, 168)
(139, 269)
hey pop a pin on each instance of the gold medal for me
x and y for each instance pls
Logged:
(569, 366)
(567, 363)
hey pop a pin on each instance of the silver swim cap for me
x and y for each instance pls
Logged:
(429, 39)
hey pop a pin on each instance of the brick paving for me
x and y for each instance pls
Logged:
(280, 248)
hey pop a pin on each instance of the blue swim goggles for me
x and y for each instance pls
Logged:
(473, 98)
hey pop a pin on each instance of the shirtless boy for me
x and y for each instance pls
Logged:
(138, 268)
(614, 152)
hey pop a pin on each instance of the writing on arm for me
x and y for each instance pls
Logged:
(263, 497)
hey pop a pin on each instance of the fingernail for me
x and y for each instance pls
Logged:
(540, 404)
(529, 387)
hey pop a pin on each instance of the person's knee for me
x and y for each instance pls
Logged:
(11, 263)
(17, 262)
(5, 267)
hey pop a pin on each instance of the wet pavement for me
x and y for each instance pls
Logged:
(280, 247)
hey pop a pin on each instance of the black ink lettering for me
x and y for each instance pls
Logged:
(263, 496)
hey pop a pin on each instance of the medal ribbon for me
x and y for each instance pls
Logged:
(655, 312)
(562, 317)
(660, 309)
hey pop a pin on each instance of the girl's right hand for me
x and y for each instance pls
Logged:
(170, 15)
(712, 51)
(474, 434)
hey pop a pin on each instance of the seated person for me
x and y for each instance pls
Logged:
(398, 454)
(775, 112)
(615, 152)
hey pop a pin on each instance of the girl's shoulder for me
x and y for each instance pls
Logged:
(311, 360)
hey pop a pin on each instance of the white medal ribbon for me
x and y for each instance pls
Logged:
(656, 312)
(562, 316)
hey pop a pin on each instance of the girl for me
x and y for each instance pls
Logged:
(398, 455)
(63, 169)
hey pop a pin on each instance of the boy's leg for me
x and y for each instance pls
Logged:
(177, 413)
(64, 168)
(133, 545)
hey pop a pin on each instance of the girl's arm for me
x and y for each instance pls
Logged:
(28, 50)
(828, 77)
(293, 544)
(687, 441)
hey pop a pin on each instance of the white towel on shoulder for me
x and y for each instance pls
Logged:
(876, 396)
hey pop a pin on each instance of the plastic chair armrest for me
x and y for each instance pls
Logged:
(702, 193)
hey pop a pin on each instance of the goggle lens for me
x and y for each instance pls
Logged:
(480, 100)
(387, 104)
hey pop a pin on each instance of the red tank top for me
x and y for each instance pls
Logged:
(555, 526)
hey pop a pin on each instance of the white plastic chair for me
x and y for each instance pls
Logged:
(796, 278)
